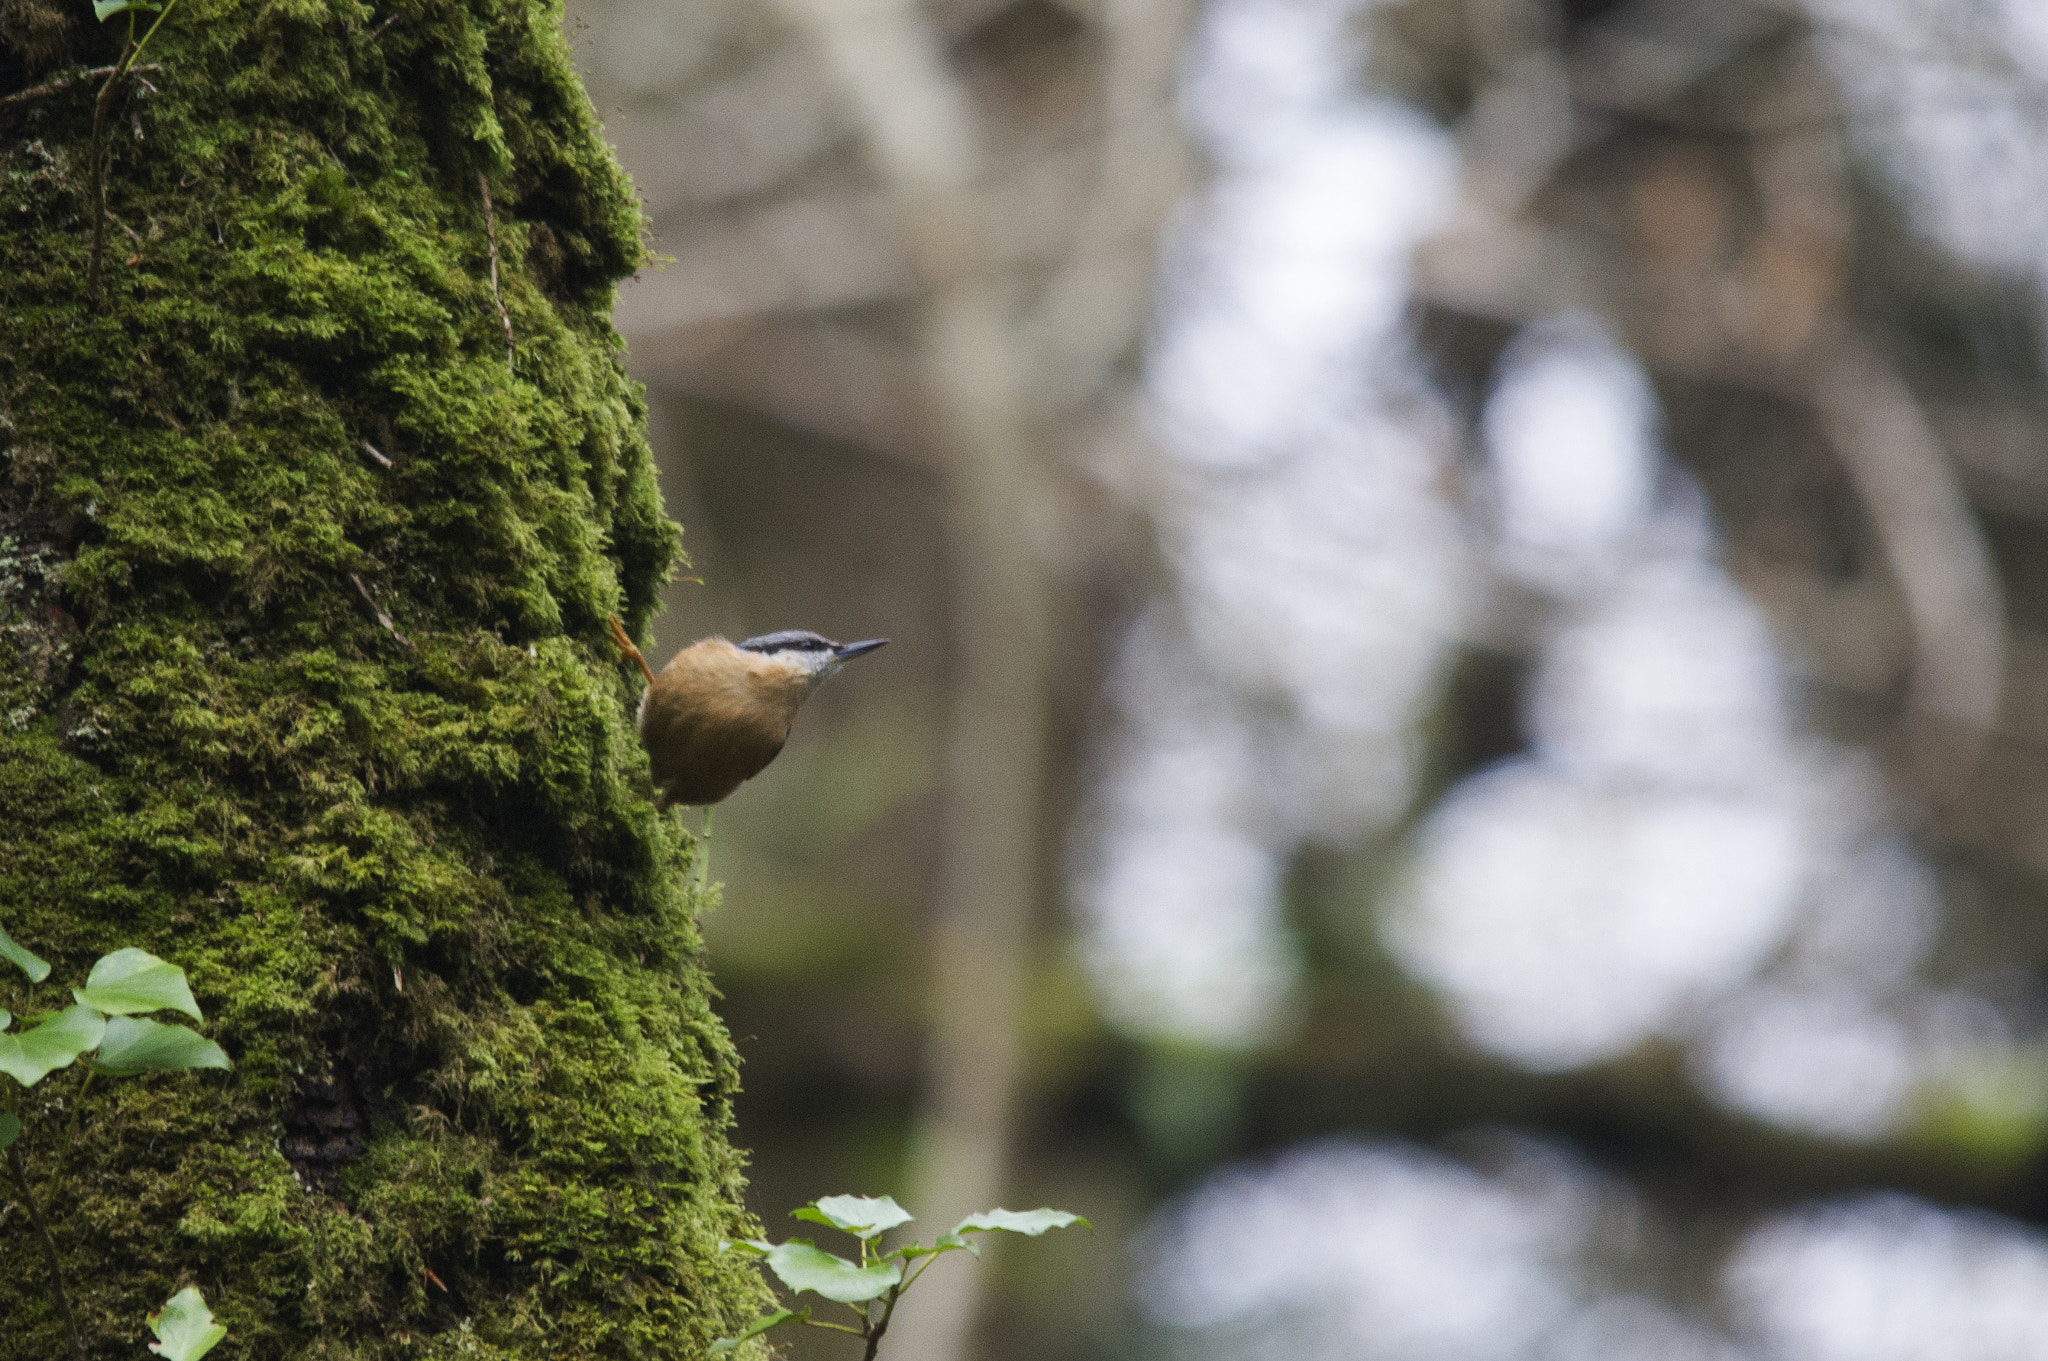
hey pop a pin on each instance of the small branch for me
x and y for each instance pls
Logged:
(378, 31)
(35, 1215)
(1953, 600)
(99, 145)
(888, 1312)
(97, 170)
(491, 232)
(378, 610)
(62, 83)
(380, 460)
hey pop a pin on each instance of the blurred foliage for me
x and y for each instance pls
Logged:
(1675, 205)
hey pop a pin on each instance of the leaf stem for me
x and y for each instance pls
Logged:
(35, 1215)
(162, 15)
(98, 185)
(78, 1107)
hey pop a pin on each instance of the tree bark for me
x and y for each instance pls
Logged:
(304, 686)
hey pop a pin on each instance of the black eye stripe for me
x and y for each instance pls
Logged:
(788, 640)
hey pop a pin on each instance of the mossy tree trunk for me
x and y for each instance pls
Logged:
(345, 740)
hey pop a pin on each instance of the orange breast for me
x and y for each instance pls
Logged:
(713, 718)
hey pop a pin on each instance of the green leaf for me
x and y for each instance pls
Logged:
(133, 1045)
(132, 980)
(804, 1267)
(36, 970)
(753, 1247)
(948, 1242)
(759, 1326)
(33, 1054)
(185, 1330)
(861, 1216)
(5, 1019)
(1031, 1223)
(10, 1130)
(104, 10)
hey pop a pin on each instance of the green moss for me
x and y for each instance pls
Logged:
(481, 1100)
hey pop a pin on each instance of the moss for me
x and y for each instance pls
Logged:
(481, 1100)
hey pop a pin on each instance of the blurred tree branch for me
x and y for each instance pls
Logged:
(926, 144)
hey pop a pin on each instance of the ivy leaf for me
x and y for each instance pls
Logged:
(725, 1345)
(185, 1330)
(1030, 1223)
(104, 10)
(34, 1054)
(861, 1216)
(36, 970)
(753, 1247)
(5, 1019)
(133, 1045)
(131, 980)
(804, 1267)
(10, 1130)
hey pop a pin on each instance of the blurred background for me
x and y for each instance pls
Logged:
(1464, 765)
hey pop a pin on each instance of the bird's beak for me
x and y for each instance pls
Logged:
(846, 652)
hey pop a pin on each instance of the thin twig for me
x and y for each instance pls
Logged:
(491, 231)
(378, 610)
(78, 1109)
(97, 171)
(35, 1215)
(61, 83)
(99, 145)
(881, 1325)
(381, 461)
(704, 853)
(378, 31)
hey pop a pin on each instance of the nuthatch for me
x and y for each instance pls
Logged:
(720, 711)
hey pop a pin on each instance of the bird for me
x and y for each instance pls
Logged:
(720, 711)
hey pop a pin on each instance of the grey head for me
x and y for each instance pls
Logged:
(817, 656)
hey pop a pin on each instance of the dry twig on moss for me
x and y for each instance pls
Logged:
(378, 610)
(491, 234)
(62, 83)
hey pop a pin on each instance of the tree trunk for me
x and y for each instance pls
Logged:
(310, 525)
